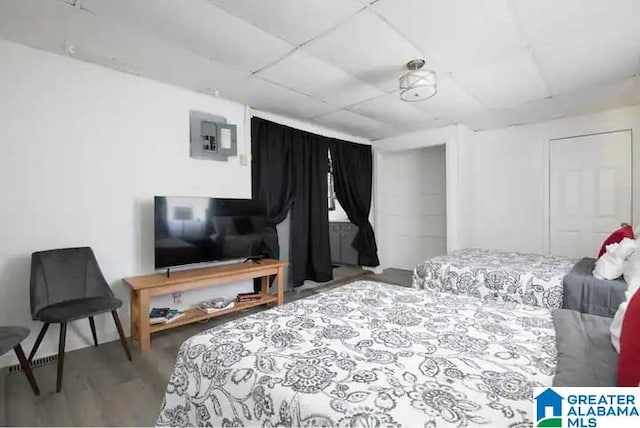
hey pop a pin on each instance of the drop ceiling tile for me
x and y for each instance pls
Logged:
(198, 26)
(270, 97)
(105, 44)
(111, 45)
(123, 48)
(310, 75)
(591, 59)
(532, 112)
(41, 25)
(458, 34)
(619, 94)
(415, 127)
(392, 110)
(486, 120)
(353, 124)
(505, 83)
(552, 20)
(294, 20)
(368, 48)
(452, 101)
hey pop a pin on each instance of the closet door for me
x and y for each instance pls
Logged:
(590, 191)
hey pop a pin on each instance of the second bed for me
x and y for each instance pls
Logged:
(540, 280)
(533, 279)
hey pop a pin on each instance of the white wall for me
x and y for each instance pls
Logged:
(83, 150)
(505, 185)
(498, 180)
(413, 206)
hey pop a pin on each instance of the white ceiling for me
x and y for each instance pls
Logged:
(336, 62)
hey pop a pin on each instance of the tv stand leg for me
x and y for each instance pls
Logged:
(144, 325)
(133, 314)
(264, 283)
(280, 285)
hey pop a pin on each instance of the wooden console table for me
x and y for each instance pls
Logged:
(146, 286)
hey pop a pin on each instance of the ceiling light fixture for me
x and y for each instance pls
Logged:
(417, 84)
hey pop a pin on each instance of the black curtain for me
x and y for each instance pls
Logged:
(271, 173)
(289, 173)
(353, 175)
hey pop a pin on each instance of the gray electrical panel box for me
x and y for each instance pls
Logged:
(211, 137)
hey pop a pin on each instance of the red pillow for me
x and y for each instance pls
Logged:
(629, 358)
(617, 237)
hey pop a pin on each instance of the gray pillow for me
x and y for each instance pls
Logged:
(585, 354)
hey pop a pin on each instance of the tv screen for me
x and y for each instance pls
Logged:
(195, 230)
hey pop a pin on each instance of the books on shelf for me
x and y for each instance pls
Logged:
(164, 315)
(215, 305)
(248, 297)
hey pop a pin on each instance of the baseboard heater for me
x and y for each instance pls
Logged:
(35, 363)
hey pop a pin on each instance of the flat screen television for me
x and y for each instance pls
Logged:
(195, 230)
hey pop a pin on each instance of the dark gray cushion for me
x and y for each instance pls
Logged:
(79, 308)
(66, 275)
(585, 354)
(10, 337)
(583, 292)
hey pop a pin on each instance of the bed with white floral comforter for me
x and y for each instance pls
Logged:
(533, 279)
(367, 354)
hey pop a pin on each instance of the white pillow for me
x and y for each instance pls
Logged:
(631, 271)
(626, 248)
(611, 264)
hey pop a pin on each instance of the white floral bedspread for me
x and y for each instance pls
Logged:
(367, 355)
(533, 279)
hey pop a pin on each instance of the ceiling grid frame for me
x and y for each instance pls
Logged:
(395, 32)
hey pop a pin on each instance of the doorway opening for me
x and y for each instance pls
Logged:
(413, 206)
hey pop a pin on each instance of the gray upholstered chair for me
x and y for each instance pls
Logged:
(10, 338)
(67, 285)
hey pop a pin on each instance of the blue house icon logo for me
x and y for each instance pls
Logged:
(549, 399)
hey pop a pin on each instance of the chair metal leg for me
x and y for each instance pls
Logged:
(63, 335)
(123, 339)
(36, 345)
(93, 331)
(26, 368)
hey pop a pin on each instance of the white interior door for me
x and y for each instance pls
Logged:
(413, 206)
(590, 191)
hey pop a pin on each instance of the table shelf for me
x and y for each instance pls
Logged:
(195, 314)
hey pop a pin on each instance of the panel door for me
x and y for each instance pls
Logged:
(590, 191)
